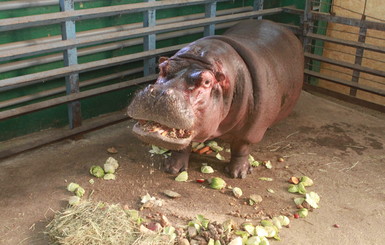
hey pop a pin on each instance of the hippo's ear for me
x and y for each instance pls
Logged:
(220, 77)
(162, 59)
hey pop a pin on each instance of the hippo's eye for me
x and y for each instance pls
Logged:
(207, 83)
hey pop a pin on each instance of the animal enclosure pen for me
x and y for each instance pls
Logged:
(68, 70)
(32, 73)
(103, 53)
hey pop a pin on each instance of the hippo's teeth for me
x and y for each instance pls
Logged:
(163, 130)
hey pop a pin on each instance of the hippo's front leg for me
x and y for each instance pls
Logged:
(178, 161)
(239, 165)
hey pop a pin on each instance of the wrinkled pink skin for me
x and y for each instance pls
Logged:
(253, 80)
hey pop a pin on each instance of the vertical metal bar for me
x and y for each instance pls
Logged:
(359, 55)
(210, 12)
(71, 58)
(307, 27)
(149, 19)
(258, 5)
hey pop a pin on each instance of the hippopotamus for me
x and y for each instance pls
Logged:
(232, 87)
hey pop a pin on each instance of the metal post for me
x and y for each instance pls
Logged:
(359, 55)
(258, 5)
(71, 58)
(210, 12)
(307, 27)
(149, 19)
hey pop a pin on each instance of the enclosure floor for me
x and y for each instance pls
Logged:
(340, 148)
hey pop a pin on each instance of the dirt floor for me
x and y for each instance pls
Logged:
(340, 148)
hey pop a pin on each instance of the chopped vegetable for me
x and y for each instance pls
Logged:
(301, 188)
(249, 228)
(91, 181)
(207, 169)
(113, 162)
(264, 241)
(214, 146)
(182, 177)
(109, 168)
(171, 194)
(265, 179)
(306, 181)
(200, 180)
(72, 187)
(266, 222)
(293, 188)
(303, 212)
(255, 199)
(158, 150)
(299, 200)
(284, 220)
(220, 157)
(268, 164)
(254, 240)
(109, 177)
(260, 231)
(271, 191)
(217, 183)
(277, 222)
(312, 199)
(237, 192)
(236, 241)
(272, 231)
(97, 171)
(203, 150)
(79, 191)
(252, 161)
(294, 180)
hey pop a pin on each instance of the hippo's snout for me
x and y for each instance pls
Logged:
(162, 105)
(165, 117)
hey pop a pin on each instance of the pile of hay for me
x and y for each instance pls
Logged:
(95, 223)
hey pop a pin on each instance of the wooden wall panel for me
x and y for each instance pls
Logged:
(374, 11)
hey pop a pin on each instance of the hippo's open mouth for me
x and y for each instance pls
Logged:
(163, 136)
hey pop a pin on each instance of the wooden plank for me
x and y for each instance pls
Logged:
(53, 18)
(346, 83)
(25, 143)
(90, 66)
(355, 67)
(344, 97)
(59, 90)
(349, 21)
(348, 43)
(8, 5)
(73, 97)
(139, 32)
(338, 19)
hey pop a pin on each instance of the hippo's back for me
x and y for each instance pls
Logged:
(275, 61)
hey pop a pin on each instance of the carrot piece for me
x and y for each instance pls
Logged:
(204, 150)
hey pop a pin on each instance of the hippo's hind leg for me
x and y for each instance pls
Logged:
(178, 161)
(239, 165)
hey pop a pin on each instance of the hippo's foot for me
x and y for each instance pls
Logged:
(239, 167)
(178, 161)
